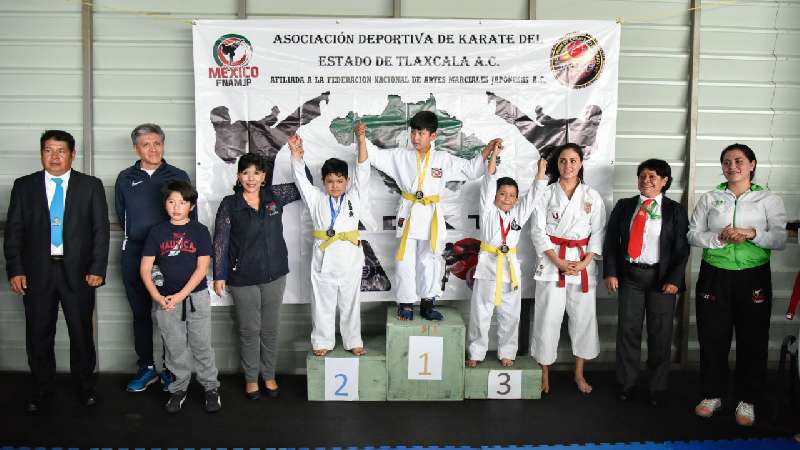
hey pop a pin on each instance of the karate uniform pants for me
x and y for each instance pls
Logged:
(419, 274)
(550, 304)
(332, 291)
(480, 318)
(729, 301)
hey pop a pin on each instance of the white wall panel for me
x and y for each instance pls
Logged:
(40, 79)
(749, 92)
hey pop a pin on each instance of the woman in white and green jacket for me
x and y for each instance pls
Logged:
(737, 225)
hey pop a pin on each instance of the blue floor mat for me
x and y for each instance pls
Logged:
(738, 444)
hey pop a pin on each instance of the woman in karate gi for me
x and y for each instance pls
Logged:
(567, 230)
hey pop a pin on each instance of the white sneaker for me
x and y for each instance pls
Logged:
(708, 407)
(745, 414)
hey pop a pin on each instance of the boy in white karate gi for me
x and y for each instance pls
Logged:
(497, 275)
(568, 225)
(338, 257)
(421, 173)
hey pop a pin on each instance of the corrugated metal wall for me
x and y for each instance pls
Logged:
(749, 92)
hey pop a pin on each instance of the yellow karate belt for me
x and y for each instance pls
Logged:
(498, 276)
(430, 200)
(350, 236)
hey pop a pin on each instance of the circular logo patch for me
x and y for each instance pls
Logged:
(233, 50)
(576, 60)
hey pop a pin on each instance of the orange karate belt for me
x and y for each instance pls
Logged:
(563, 244)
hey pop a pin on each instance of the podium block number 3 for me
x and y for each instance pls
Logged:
(425, 357)
(505, 384)
(341, 379)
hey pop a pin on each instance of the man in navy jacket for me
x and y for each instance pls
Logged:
(139, 206)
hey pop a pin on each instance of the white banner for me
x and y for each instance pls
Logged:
(534, 84)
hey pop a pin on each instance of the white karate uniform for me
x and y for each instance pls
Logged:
(578, 218)
(335, 272)
(419, 273)
(482, 304)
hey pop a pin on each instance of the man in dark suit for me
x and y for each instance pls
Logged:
(56, 249)
(644, 256)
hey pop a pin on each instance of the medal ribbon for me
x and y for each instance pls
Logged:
(335, 213)
(504, 231)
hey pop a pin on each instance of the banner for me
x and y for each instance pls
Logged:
(535, 84)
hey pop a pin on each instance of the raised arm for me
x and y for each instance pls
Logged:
(288, 192)
(308, 191)
(536, 190)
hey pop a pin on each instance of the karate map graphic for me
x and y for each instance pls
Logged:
(266, 137)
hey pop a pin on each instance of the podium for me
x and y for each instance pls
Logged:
(425, 359)
(330, 373)
(490, 380)
(418, 360)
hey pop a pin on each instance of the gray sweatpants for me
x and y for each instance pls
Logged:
(188, 343)
(257, 312)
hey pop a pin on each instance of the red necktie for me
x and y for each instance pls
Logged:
(637, 230)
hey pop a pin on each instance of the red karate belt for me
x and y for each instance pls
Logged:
(563, 244)
(795, 299)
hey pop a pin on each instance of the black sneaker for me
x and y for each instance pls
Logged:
(213, 401)
(426, 310)
(175, 402)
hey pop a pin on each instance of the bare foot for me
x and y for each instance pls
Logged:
(271, 385)
(505, 362)
(545, 379)
(358, 351)
(471, 363)
(321, 352)
(797, 438)
(251, 387)
(583, 386)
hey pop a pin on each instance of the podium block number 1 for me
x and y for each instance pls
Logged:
(341, 379)
(425, 357)
(505, 384)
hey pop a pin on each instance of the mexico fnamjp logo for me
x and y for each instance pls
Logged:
(577, 60)
(233, 54)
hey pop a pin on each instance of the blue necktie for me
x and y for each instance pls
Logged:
(57, 214)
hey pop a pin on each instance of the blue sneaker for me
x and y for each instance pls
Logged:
(144, 377)
(166, 378)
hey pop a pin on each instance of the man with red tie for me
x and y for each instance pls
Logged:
(644, 257)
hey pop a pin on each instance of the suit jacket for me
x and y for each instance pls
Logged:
(672, 244)
(86, 231)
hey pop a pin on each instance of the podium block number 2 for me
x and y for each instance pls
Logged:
(341, 379)
(425, 357)
(505, 384)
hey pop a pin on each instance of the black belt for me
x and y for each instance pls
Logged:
(57, 258)
(643, 266)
